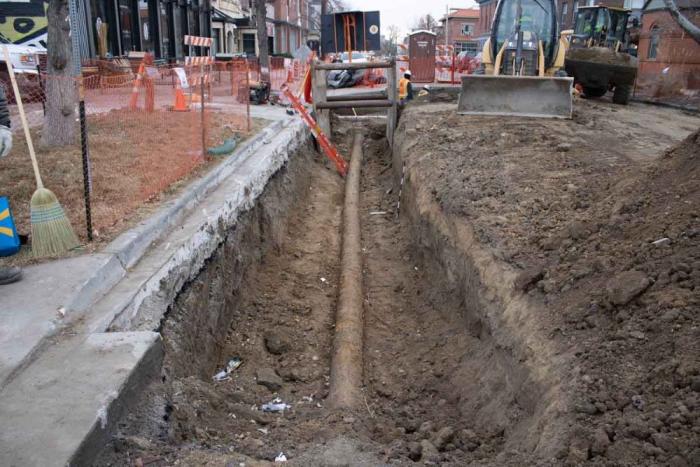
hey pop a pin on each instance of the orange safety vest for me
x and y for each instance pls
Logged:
(403, 88)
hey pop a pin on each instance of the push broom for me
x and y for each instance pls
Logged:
(52, 233)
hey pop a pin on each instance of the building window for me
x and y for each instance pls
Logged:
(167, 32)
(145, 27)
(126, 27)
(564, 11)
(574, 8)
(470, 47)
(249, 44)
(654, 40)
(590, 3)
(466, 29)
(229, 42)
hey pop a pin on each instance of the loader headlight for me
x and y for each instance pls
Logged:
(27, 59)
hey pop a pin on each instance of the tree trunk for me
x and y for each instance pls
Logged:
(692, 30)
(59, 121)
(261, 22)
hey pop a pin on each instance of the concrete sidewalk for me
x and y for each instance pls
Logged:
(77, 336)
(53, 294)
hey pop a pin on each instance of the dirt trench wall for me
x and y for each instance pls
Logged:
(199, 319)
(510, 381)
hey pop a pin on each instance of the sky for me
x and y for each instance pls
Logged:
(404, 13)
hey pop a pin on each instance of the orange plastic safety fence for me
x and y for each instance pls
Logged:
(139, 146)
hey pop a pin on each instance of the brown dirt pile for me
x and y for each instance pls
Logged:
(608, 246)
(601, 55)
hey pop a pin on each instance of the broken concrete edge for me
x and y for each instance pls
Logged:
(140, 375)
(128, 248)
(98, 377)
(145, 308)
(487, 286)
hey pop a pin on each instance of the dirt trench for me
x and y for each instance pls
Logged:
(438, 389)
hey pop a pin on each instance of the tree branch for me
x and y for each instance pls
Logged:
(692, 30)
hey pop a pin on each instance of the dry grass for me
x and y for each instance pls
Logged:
(138, 160)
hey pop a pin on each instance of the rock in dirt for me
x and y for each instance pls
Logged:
(678, 461)
(578, 451)
(415, 451)
(563, 147)
(695, 384)
(132, 443)
(443, 437)
(601, 441)
(665, 442)
(429, 451)
(276, 343)
(268, 378)
(529, 277)
(426, 427)
(624, 287)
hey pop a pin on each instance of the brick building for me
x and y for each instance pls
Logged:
(487, 8)
(669, 59)
(461, 28)
(291, 25)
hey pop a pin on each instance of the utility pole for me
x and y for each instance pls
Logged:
(324, 11)
(447, 23)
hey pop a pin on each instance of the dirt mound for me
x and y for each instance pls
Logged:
(629, 285)
(601, 55)
(608, 248)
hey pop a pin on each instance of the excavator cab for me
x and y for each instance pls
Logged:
(522, 65)
(523, 37)
(600, 26)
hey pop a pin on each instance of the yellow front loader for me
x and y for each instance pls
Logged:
(522, 65)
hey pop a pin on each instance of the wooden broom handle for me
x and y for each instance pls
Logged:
(22, 116)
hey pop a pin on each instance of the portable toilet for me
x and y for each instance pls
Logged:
(421, 56)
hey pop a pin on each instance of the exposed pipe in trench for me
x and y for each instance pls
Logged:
(346, 362)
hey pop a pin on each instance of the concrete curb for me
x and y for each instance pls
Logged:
(129, 247)
(147, 297)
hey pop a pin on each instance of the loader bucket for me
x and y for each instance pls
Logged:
(524, 96)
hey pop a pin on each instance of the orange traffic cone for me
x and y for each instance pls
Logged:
(180, 103)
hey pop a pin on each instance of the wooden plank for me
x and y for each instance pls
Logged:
(392, 92)
(354, 65)
(357, 97)
(384, 103)
(318, 88)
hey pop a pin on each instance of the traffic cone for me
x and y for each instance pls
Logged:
(133, 102)
(180, 103)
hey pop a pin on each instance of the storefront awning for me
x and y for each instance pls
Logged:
(221, 17)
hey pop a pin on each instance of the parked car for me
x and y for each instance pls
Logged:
(25, 61)
(356, 57)
(347, 78)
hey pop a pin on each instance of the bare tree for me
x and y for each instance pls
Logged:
(261, 22)
(61, 97)
(427, 22)
(335, 6)
(389, 43)
(692, 30)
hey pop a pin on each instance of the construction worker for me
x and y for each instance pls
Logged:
(7, 275)
(405, 88)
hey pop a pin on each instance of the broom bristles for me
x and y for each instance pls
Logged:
(52, 233)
